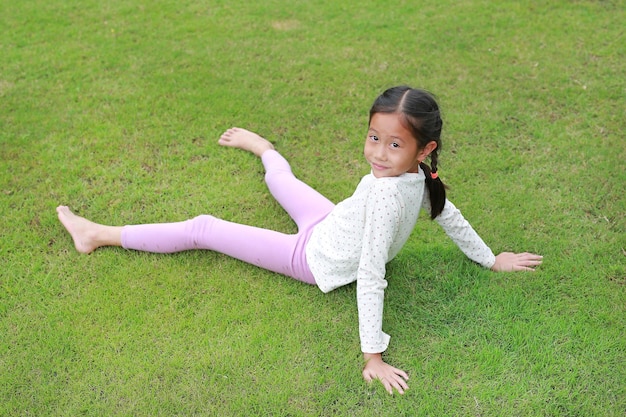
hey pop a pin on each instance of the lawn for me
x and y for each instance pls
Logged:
(114, 108)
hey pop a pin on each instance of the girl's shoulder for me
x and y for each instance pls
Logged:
(406, 180)
(401, 185)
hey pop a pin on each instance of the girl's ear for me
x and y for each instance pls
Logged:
(430, 146)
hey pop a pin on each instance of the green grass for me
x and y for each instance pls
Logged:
(114, 108)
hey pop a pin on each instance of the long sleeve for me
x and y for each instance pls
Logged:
(357, 239)
(462, 233)
(383, 214)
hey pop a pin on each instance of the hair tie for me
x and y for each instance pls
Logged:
(434, 175)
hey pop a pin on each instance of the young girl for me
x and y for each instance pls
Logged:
(335, 244)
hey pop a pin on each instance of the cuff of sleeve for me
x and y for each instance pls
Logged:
(490, 262)
(379, 347)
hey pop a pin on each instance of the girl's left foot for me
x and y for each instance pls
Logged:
(87, 235)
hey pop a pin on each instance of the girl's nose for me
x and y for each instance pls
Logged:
(381, 153)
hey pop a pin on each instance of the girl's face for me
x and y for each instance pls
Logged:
(390, 148)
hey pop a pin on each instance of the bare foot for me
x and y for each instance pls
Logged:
(87, 235)
(244, 139)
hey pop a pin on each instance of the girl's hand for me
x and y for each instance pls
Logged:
(508, 261)
(390, 377)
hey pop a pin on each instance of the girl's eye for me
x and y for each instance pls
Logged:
(395, 145)
(374, 138)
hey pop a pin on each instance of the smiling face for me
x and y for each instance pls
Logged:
(390, 148)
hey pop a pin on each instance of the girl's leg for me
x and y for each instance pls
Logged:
(303, 204)
(267, 249)
(277, 252)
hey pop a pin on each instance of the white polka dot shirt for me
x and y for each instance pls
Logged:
(364, 232)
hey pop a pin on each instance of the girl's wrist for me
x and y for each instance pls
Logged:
(369, 356)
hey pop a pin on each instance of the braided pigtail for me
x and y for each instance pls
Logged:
(436, 187)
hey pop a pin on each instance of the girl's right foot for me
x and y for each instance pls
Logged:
(244, 139)
(87, 235)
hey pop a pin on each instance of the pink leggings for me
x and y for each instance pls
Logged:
(268, 249)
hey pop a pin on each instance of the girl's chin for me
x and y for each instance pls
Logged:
(379, 173)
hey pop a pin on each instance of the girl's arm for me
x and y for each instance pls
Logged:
(381, 224)
(462, 233)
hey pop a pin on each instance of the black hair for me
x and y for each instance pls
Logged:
(423, 119)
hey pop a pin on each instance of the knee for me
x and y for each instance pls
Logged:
(276, 173)
(200, 224)
(202, 218)
(197, 229)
